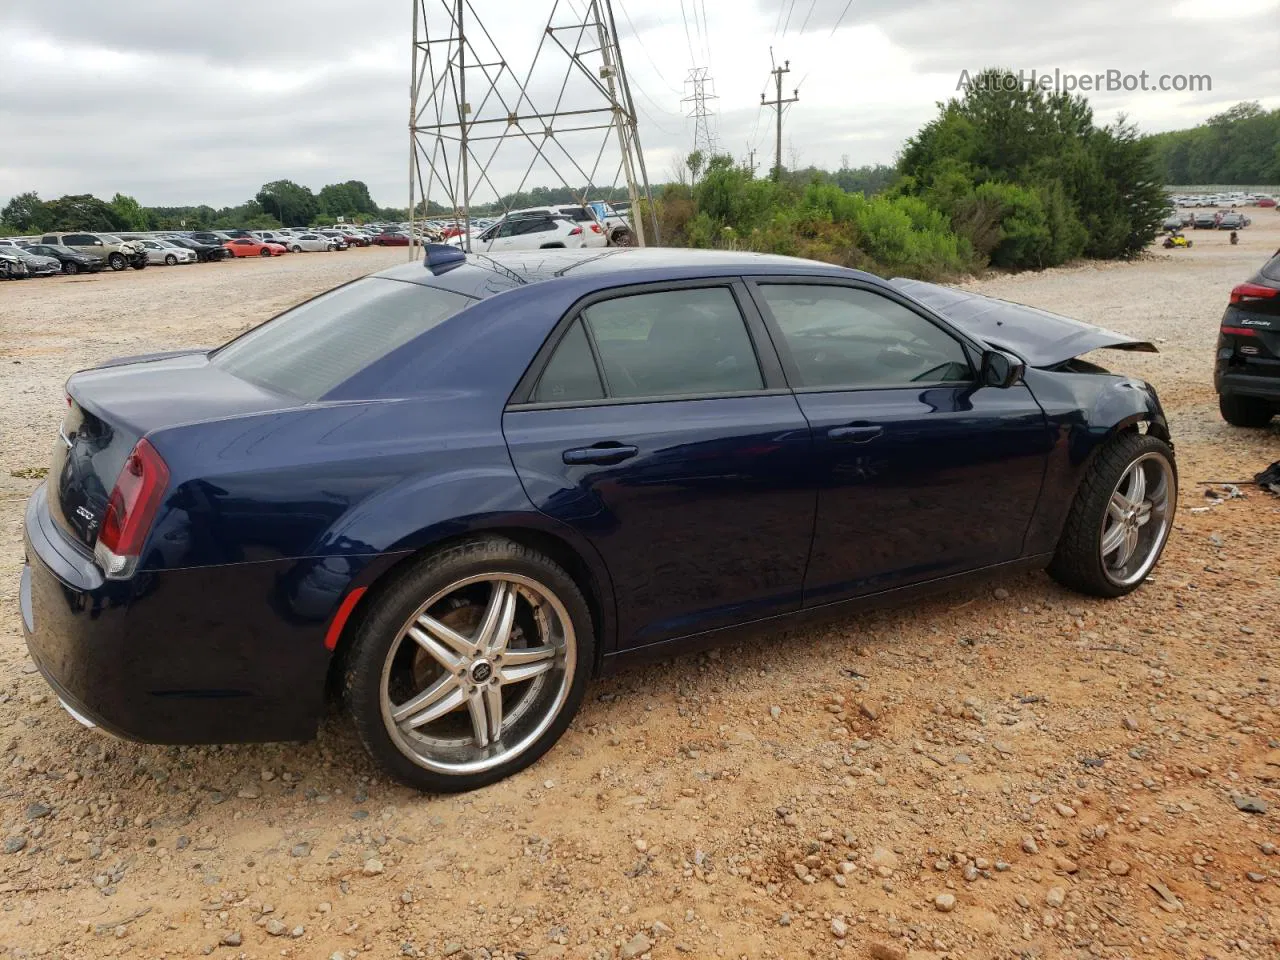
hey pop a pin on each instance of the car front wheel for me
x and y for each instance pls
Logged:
(1120, 519)
(470, 665)
(1245, 411)
(116, 261)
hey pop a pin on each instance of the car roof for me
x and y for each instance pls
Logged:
(485, 275)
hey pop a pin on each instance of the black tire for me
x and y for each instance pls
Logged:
(1078, 563)
(622, 238)
(296, 248)
(1245, 411)
(117, 262)
(140, 264)
(381, 622)
(170, 260)
(264, 252)
(70, 268)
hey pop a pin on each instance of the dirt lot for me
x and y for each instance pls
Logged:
(1012, 771)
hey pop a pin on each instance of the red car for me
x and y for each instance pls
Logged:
(355, 239)
(1266, 201)
(248, 247)
(392, 240)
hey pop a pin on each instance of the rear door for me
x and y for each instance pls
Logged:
(657, 423)
(922, 473)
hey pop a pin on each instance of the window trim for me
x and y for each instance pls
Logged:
(972, 350)
(771, 370)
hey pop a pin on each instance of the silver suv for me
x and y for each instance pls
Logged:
(117, 252)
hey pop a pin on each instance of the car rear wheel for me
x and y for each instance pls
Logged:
(117, 262)
(1120, 520)
(1245, 411)
(296, 248)
(70, 268)
(469, 666)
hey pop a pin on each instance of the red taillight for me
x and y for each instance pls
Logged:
(595, 228)
(131, 509)
(1252, 291)
(575, 231)
(1239, 331)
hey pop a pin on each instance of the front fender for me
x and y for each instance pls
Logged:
(1085, 410)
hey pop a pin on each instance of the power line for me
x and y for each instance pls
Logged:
(778, 25)
(636, 36)
(688, 39)
(787, 24)
(812, 4)
(841, 18)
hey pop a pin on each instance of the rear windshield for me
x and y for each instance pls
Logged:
(317, 346)
(1272, 270)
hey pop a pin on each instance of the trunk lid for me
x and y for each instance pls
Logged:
(1041, 338)
(112, 407)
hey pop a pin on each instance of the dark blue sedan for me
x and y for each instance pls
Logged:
(454, 491)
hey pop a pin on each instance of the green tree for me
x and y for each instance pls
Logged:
(290, 204)
(83, 212)
(130, 214)
(26, 213)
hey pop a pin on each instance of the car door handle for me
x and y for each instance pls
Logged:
(605, 454)
(856, 433)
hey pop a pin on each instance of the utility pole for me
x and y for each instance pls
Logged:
(751, 160)
(779, 105)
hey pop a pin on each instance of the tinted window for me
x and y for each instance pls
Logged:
(1271, 270)
(571, 373)
(842, 337)
(314, 347)
(673, 343)
(51, 239)
(540, 225)
(79, 240)
(577, 214)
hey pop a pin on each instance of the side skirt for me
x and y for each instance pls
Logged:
(678, 646)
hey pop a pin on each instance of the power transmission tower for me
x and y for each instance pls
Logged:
(780, 105)
(702, 89)
(471, 115)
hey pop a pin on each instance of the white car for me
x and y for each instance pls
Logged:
(593, 232)
(310, 242)
(543, 232)
(162, 251)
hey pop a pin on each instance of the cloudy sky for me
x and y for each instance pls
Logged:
(196, 102)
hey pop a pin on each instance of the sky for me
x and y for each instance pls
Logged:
(197, 102)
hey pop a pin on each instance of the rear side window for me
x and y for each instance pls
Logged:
(1272, 269)
(674, 343)
(577, 214)
(315, 347)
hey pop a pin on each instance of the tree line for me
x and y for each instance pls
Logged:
(1238, 146)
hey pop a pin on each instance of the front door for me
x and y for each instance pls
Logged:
(661, 430)
(921, 472)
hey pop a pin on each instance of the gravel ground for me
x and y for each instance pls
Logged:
(1008, 771)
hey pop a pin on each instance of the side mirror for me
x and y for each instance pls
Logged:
(1001, 369)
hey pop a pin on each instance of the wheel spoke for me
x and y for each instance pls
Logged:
(511, 656)
(526, 671)
(447, 635)
(1113, 539)
(1137, 486)
(444, 695)
(479, 719)
(1117, 506)
(495, 627)
(438, 651)
(1130, 546)
(493, 709)
(1144, 513)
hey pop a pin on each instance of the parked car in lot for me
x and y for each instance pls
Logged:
(1246, 371)
(205, 252)
(337, 236)
(1205, 221)
(391, 239)
(1232, 221)
(12, 266)
(529, 232)
(249, 247)
(118, 253)
(1171, 223)
(38, 265)
(590, 458)
(311, 243)
(593, 234)
(167, 253)
(271, 236)
(216, 238)
(71, 261)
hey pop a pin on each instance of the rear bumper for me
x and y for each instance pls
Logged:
(1246, 385)
(166, 657)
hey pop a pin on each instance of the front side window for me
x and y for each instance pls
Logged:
(315, 347)
(843, 337)
(674, 343)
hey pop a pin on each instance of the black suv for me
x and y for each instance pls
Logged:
(1247, 370)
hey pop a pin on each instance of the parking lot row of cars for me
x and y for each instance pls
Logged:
(1230, 200)
(1206, 220)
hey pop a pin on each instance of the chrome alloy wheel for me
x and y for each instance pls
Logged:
(1137, 520)
(478, 673)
